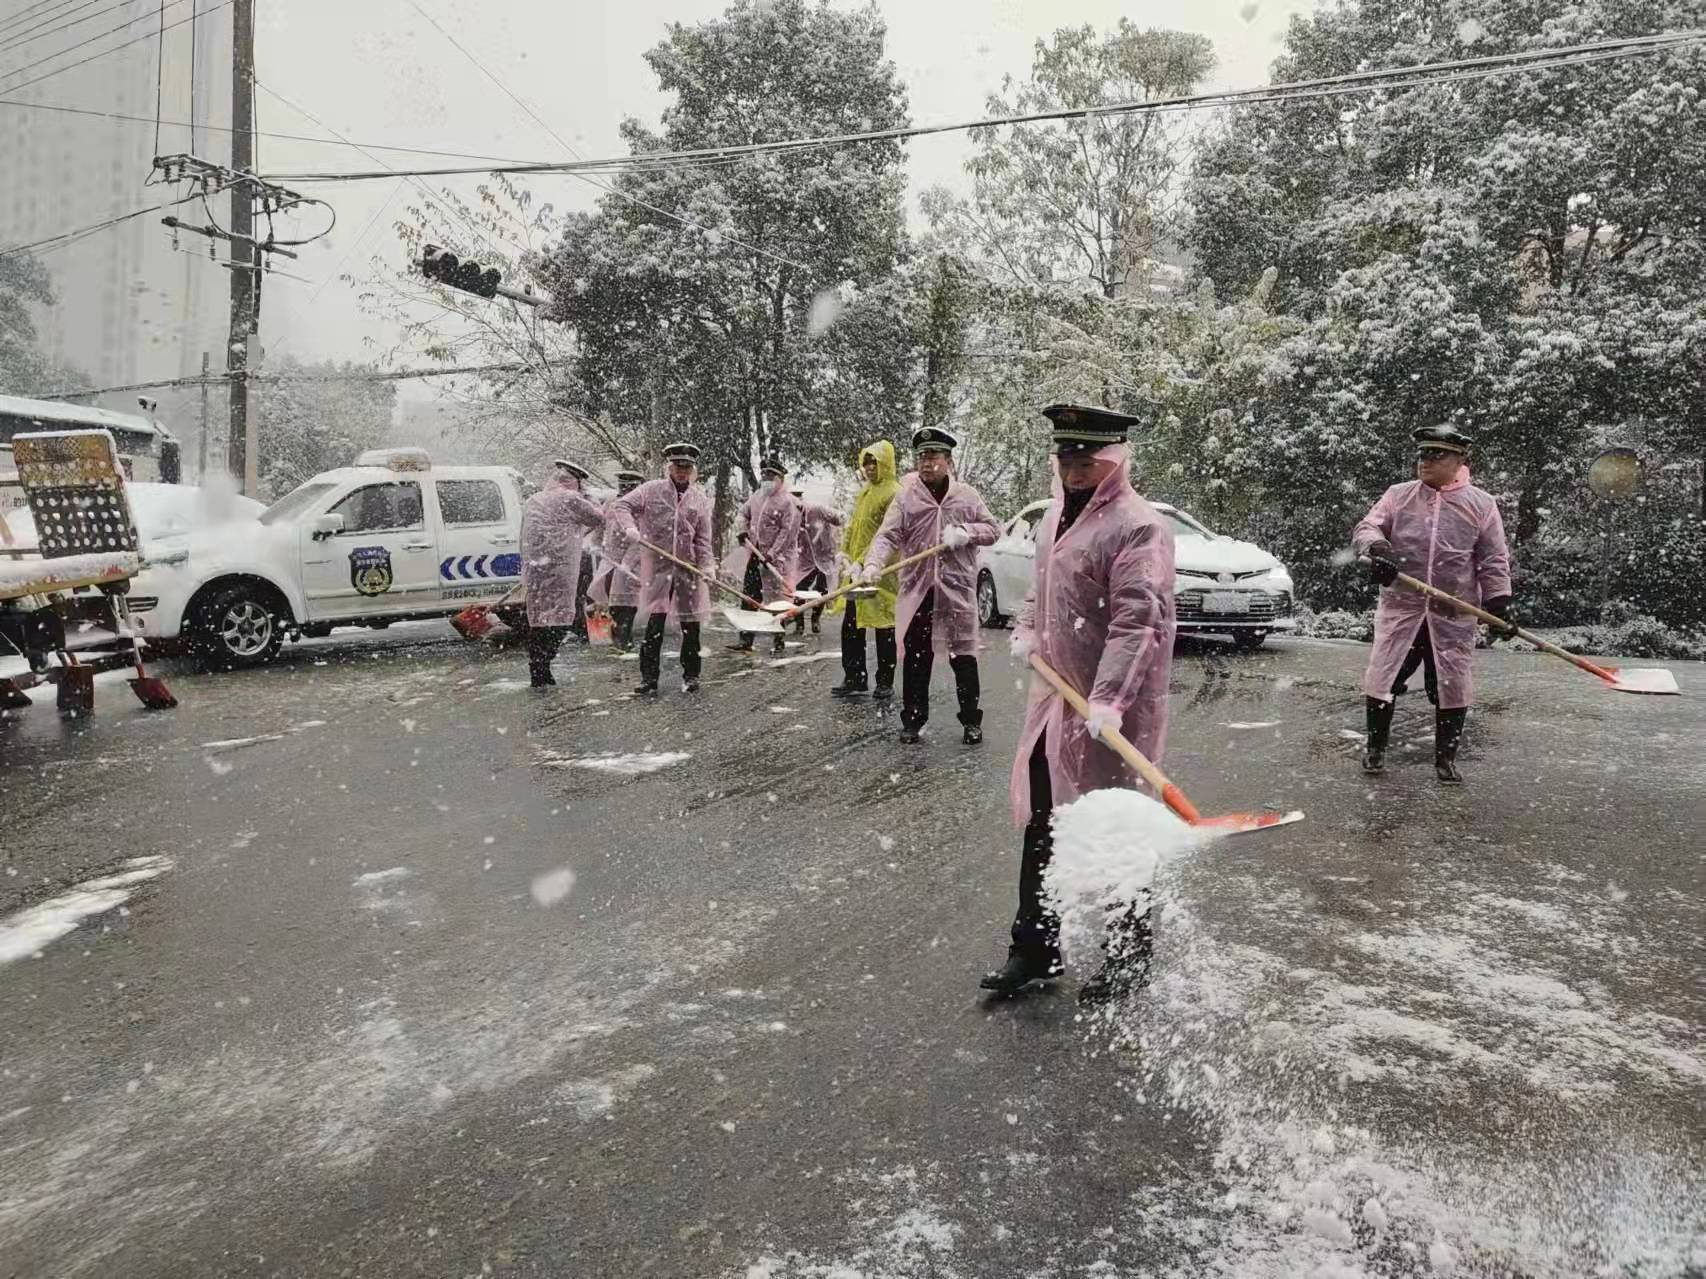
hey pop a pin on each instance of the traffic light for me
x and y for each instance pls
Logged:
(439, 263)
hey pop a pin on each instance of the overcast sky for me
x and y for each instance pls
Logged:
(376, 71)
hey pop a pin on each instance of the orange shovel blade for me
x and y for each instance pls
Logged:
(1247, 823)
(473, 623)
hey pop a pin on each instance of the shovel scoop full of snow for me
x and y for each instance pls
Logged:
(750, 619)
(1108, 845)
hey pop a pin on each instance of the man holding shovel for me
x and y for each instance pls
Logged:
(1100, 613)
(553, 524)
(1442, 530)
(938, 595)
(673, 514)
(875, 612)
(815, 559)
(618, 585)
(768, 530)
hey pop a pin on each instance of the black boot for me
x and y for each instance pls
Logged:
(648, 689)
(1448, 733)
(883, 693)
(849, 688)
(1125, 966)
(740, 646)
(1379, 731)
(1025, 964)
(779, 647)
(973, 735)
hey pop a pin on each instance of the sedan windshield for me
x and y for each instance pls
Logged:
(294, 503)
(1184, 524)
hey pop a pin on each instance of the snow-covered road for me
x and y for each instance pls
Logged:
(429, 973)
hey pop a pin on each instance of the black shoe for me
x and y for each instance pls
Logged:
(973, 735)
(1025, 964)
(817, 627)
(883, 694)
(648, 689)
(847, 689)
(779, 647)
(1373, 760)
(1445, 768)
(1117, 979)
(690, 684)
(547, 682)
(740, 646)
(910, 736)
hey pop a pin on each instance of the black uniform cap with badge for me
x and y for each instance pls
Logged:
(933, 439)
(1081, 429)
(573, 468)
(627, 481)
(687, 454)
(771, 468)
(1437, 441)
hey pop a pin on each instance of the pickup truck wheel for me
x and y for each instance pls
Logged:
(237, 629)
(989, 611)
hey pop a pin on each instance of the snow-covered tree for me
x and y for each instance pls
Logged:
(317, 417)
(24, 368)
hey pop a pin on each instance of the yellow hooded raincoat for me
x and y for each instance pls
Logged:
(868, 512)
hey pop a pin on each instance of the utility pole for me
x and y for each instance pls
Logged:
(245, 278)
(201, 447)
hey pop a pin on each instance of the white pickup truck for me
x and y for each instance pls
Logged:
(389, 539)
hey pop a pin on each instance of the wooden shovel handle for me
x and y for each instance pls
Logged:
(1494, 620)
(698, 572)
(1140, 764)
(839, 591)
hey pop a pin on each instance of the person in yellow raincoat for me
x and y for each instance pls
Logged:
(875, 612)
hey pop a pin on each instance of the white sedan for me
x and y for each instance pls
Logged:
(1222, 586)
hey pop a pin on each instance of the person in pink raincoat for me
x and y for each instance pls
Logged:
(767, 534)
(1444, 531)
(1100, 613)
(617, 586)
(820, 537)
(938, 596)
(674, 515)
(553, 524)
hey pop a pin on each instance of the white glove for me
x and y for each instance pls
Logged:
(955, 536)
(867, 575)
(1022, 645)
(1102, 717)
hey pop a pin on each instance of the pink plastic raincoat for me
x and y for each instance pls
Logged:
(1451, 538)
(1100, 612)
(771, 520)
(915, 522)
(820, 539)
(553, 525)
(618, 582)
(678, 522)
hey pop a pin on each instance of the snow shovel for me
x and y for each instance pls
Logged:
(787, 610)
(150, 690)
(1653, 679)
(1171, 795)
(475, 621)
(754, 619)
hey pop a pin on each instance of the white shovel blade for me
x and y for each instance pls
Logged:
(747, 619)
(1646, 679)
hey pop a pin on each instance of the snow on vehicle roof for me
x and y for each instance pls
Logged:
(53, 412)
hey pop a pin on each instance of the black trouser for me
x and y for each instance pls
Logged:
(815, 580)
(651, 648)
(622, 625)
(542, 645)
(921, 660)
(1035, 925)
(1421, 654)
(582, 586)
(753, 585)
(853, 650)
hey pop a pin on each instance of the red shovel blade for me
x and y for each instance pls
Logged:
(1649, 679)
(473, 623)
(152, 692)
(1247, 823)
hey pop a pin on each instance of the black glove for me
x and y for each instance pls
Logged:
(1382, 562)
(1500, 607)
(740, 538)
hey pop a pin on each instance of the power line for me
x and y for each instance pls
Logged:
(1485, 67)
(220, 379)
(84, 43)
(160, 76)
(603, 186)
(26, 37)
(71, 66)
(45, 8)
(81, 232)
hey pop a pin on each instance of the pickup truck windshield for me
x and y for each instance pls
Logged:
(294, 503)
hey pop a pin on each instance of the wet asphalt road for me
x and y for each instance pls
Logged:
(341, 1036)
